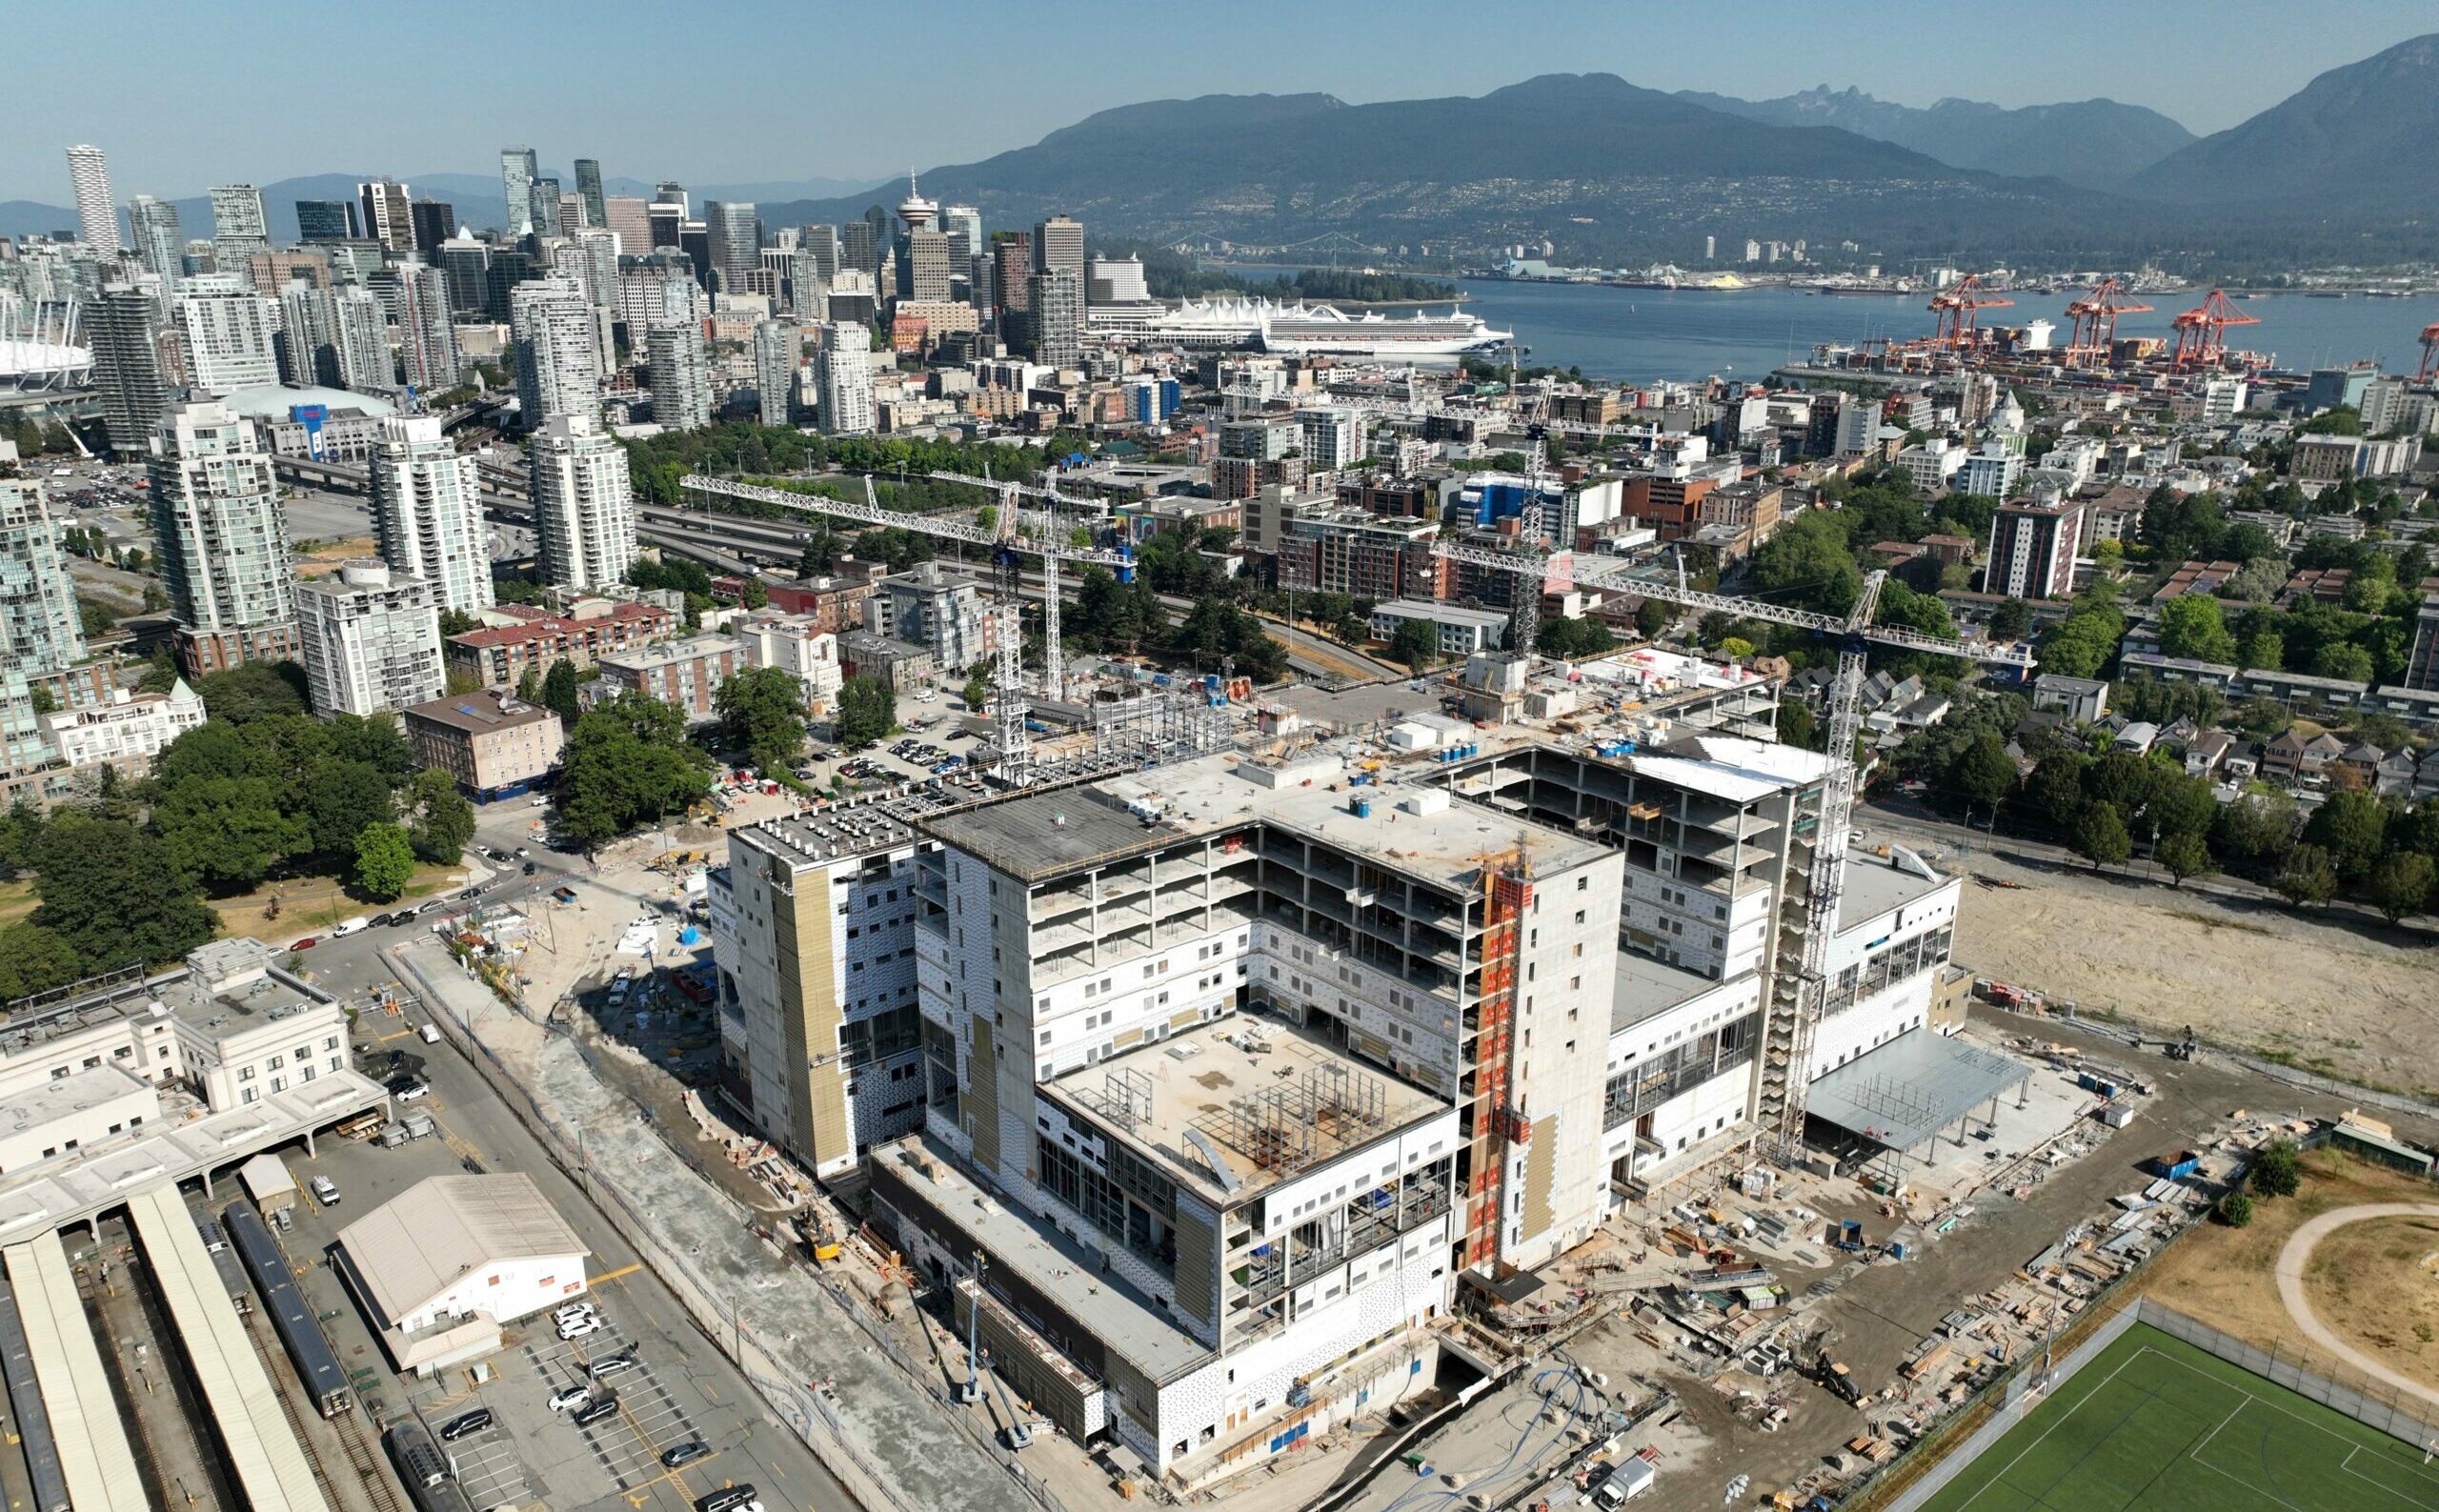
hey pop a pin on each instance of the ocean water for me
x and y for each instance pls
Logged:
(1639, 335)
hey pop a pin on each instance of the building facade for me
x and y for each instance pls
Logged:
(427, 512)
(224, 330)
(685, 673)
(843, 369)
(371, 640)
(682, 377)
(221, 538)
(2032, 548)
(584, 506)
(558, 370)
(494, 745)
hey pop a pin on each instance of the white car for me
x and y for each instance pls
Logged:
(570, 1397)
(610, 1366)
(575, 1310)
(578, 1327)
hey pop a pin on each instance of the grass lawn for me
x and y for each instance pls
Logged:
(16, 901)
(308, 904)
(2156, 1425)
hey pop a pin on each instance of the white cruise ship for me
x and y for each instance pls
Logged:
(1310, 330)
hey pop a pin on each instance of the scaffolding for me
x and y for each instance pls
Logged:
(1283, 1129)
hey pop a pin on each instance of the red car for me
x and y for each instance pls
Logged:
(307, 943)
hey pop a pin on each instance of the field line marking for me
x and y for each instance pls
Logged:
(2353, 1447)
(2203, 1442)
(2065, 1416)
(2250, 1487)
(2347, 1464)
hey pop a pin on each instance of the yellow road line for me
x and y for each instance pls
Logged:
(612, 1276)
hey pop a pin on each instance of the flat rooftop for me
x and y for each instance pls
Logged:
(1646, 985)
(833, 835)
(1268, 1098)
(1876, 884)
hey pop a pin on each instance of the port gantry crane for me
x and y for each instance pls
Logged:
(2430, 369)
(1012, 534)
(1799, 1001)
(2202, 332)
(2094, 314)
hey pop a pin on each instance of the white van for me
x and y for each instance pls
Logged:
(350, 926)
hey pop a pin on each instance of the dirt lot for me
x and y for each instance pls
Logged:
(2374, 1284)
(2351, 1000)
(2225, 1276)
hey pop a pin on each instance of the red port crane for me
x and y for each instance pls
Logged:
(2095, 318)
(2201, 333)
(1955, 309)
(2430, 369)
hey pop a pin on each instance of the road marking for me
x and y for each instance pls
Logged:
(612, 1276)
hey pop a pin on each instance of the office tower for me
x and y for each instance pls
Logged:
(588, 183)
(734, 246)
(695, 240)
(1333, 438)
(466, 263)
(1011, 265)
(543, 207)
(159, 242)
(659, 290)
(361, 338)
(1055, 319)
(573, 216)
(238, 223)
(842, 375)
(587, 264)
(308, 340)
(628, 218)
(502, 277)
(923, 266)
(224, 330)
(682, 377)
(517, 172)
(963, 224)
(434, 221)
(88, 174)
(371, 640)
(201, 257)
(221, 538)
(1059, 242)
(428, 512)
(665, 222)
(1117, 281)
(426, 339)
(669, 191)
(319, 220)
(808, 288)
(777, 347)
(584, 511)
(557, 367)
(822, 242)
(877, 219)
(386, 218)
(859, 248)
(1710, 248)
(127, 365)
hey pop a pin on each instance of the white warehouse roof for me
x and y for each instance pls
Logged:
(420, 1242)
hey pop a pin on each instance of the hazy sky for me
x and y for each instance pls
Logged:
(184, 95)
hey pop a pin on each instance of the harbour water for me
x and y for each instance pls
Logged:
(1640, 335)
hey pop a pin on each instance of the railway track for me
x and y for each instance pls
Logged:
(363, 1460)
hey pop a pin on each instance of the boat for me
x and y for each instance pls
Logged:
(1316, 330)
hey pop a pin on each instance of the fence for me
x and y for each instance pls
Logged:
(800, 1407)
(2380, 1405)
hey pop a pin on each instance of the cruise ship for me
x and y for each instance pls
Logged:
(1311, 330)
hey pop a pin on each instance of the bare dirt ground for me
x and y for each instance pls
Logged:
(2345, 999)
(2374, 1283)
(2226, 1275)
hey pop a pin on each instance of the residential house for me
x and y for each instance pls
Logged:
(2357, 766)
(2396, 773)
(2207, 751)
(2082, 699)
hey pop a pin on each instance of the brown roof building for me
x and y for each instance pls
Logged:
(497, 656)
(494, 745)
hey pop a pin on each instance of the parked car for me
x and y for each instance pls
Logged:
(684, 1454)
(594, 1411)
(530, 868)
(307, 943)
(727, 1499)
(408, 1089)
(578, 1327)
(610, 1364)
(574, 1310)
(325, 1191)
(567, 1397)
(464, 1423)
(470, 894)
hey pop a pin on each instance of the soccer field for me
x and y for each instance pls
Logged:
(2156, 1425)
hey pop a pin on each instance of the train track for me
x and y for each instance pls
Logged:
(362, 1458)
(365, 1458)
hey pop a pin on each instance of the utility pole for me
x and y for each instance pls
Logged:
(972, 1391)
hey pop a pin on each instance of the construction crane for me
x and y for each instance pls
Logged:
(1800, 1007)
(1014, 534)
(1053, 543)
(1956, 309)
(2095, 321)
(2202, 332)
(2430, 369)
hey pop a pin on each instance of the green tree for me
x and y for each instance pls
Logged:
(442, 820)
(2400, 885)
(976, 693)
(227, 832)
(2185, 854)
(385, 862)
(558, 691)
(528, 685)
(34, 960)
(2343, 660)
(2182, 805)
(2235, 1210)
(114, 895)
(2277, 1170)
(1652, 616)
(1417, 643)
(867, 712)
(2191, 627)
(1985, 775)
(2011, 620)
(2100, 836)
(343, 798)
(1797, 725)
(2351, 827)
(2262, 649)
(1808, 564)
(628, 761)
(2306, 876)
(1577, 638)
(2123, 780)
(2054, 792)
(2257, 826)
(255, 691)
(2080, 646)
(761, 712)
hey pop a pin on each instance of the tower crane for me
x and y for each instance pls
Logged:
(1955, 310)
(2430, 369)
(2202, 332)
(2095, 321)
(1012, 534)
(1800, 1000)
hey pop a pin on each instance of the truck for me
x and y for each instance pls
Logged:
(1839, 1383)
(1625, 1480)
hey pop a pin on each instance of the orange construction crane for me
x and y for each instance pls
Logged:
(2430, 369)
(2202, 332)
(2095, 318)
(1955, 310)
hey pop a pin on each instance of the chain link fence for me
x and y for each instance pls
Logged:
(2378, 1405)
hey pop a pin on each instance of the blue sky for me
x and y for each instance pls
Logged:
(184, 96)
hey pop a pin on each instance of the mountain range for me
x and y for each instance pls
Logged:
(2097, 143)
(1602, 170)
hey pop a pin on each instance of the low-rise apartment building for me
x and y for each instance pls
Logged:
(498, 654)
(493, 743)
(685, 673)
